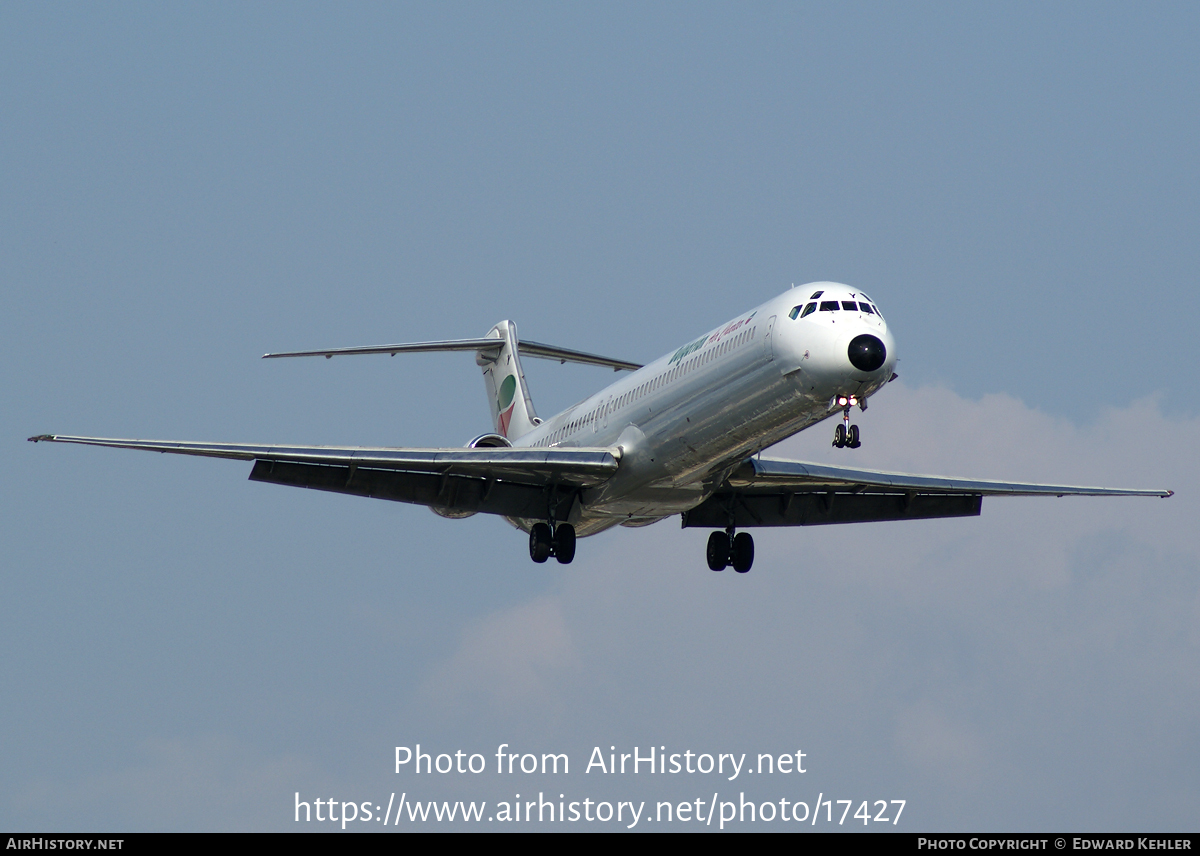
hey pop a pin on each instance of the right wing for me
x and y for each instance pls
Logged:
(776, 492)
(514, 482)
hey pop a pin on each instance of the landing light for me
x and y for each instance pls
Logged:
(843, 400)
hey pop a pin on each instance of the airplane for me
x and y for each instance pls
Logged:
(681, 435)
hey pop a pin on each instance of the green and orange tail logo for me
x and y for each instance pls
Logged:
(505, 404)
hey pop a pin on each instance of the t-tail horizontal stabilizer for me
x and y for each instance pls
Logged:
(487, 346)
(498, 354)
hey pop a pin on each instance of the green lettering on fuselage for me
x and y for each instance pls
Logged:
(688, 349)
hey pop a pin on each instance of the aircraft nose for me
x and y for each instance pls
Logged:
(867, 353)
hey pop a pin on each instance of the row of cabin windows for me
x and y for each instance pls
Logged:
(651, 385)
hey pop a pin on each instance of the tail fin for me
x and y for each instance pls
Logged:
(512, 409)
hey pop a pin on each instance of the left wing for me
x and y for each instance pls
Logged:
(522, 482)
(775, 492)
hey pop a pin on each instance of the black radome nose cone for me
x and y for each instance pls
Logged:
(867, 353)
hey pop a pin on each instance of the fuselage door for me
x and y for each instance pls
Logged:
(769, 340)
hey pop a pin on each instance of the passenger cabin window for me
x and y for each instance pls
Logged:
(829, 306)
(849, 305)
(808, 310)
(816, 294)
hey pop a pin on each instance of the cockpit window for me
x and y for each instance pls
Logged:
(795, 311)
(850, 305)
(812, 307)
(816, 294)
(829, 305)
(866, 307)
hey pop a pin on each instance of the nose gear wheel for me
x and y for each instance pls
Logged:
(846, 434)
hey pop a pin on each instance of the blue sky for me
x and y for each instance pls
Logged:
(185, 189)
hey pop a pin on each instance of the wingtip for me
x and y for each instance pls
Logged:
(1168, 494)
(40, 437)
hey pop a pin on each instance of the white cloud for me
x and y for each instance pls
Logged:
(510, 661)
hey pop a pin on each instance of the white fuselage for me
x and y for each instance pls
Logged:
(683, 422)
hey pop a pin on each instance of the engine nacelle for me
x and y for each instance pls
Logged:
(451, 513)
(490, 441)
(483, 441)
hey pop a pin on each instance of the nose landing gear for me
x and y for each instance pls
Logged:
(846, 434)
(726, 548)
(558, 542)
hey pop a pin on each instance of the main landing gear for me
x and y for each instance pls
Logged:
(846, 434)
(726, 548)
(558, 542)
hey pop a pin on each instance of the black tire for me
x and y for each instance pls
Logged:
(539, 542)
(718, 551)
(564, 543)
(852, 437)
(743, 552)
(839, 436)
